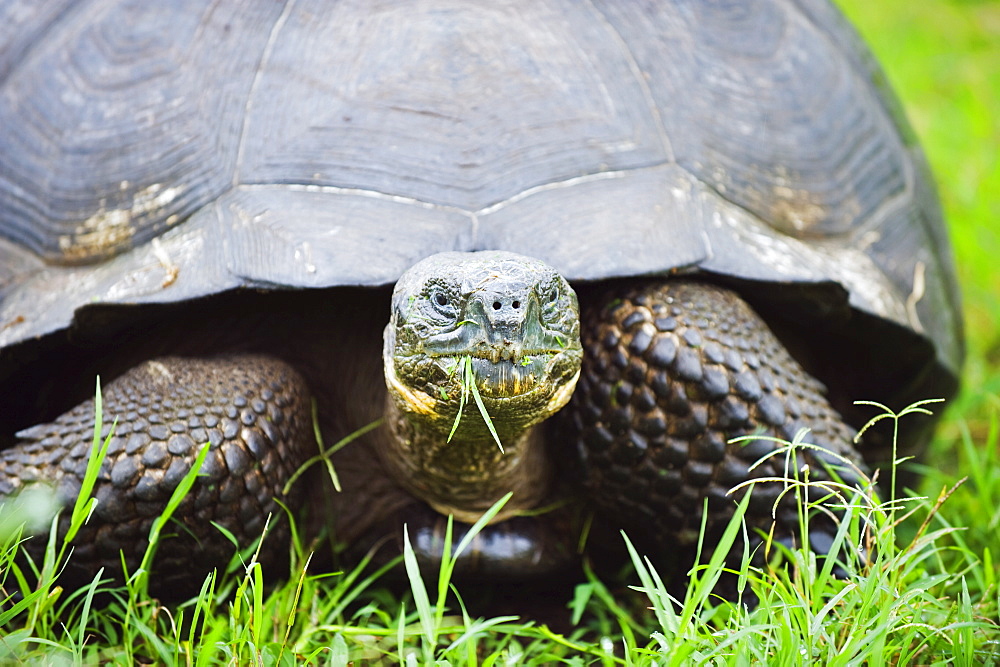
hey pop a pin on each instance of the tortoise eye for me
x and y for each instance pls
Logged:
(441, 299)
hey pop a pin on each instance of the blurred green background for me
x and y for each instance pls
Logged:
(943, 59)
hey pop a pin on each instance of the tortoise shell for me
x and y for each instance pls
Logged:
(161, 152)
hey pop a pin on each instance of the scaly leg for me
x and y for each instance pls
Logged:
(674, 370)
(254, 411)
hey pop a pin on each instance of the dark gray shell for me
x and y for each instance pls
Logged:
(160, 151)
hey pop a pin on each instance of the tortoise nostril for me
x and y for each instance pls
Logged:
(496, 305)
(516, 305)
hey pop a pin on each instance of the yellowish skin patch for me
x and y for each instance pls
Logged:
(562, 395)
(417, 401)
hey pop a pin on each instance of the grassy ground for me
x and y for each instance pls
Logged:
(943, 59)
(929, 596)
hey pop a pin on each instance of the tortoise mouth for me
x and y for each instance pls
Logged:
(519, 390)
(504, 379)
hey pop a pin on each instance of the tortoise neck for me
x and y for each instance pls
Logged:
(466, 475)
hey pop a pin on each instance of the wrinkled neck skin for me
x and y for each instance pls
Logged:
(466, 476)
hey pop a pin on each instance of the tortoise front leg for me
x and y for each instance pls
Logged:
(255, 413)
(674, 370)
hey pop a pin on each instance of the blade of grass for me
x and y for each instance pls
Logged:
(85, 504)
(479, 403)
(469, 387)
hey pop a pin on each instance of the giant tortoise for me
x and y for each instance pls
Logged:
(208, 202)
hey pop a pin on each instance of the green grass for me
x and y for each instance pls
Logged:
(927, 595)
(924, 599)
(943, 59)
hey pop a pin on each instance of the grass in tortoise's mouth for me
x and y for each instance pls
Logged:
(514, 378)
(469, 388)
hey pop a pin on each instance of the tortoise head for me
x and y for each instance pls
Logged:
(487, 331)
